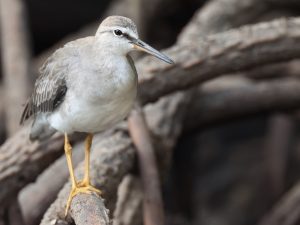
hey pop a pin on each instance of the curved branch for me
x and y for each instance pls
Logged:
(217, 101)
(222, 53)
(220, 15)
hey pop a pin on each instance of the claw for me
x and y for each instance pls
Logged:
(82, 187)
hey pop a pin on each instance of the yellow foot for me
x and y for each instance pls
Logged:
(82, 187)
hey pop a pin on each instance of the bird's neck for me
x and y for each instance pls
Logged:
(104, 45)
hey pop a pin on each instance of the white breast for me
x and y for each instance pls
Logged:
(97, 100)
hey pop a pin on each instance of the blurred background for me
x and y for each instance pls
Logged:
(230, 171)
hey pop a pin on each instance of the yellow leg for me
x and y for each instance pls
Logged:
(84, 186)
(86, 180)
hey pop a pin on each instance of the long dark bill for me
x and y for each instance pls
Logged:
(142, 46)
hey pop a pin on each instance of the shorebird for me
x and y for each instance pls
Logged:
(87, 86)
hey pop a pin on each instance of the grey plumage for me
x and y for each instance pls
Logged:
(50, 87)
(49, 90)
(88, 85)
(119, 21)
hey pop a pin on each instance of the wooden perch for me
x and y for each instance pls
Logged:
(112, 158)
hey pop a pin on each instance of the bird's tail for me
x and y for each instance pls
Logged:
(41, 129)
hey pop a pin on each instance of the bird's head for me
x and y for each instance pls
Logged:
(120, 34)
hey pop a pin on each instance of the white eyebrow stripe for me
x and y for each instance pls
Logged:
(124, 30)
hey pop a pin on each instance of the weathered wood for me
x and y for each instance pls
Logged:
(231, 51)
(130, 202)
(220, 15)
(21, 161)
(221, 100)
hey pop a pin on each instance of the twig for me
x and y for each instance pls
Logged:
(16, 56)
(153, 205)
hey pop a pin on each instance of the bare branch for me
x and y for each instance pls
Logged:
(153, 205)
(220, 100)
(223, 53)
(220, 15)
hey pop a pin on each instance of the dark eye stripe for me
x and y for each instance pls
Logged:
(128, 37)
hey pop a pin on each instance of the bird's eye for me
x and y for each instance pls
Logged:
(118, 32)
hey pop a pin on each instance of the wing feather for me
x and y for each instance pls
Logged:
(50, 88)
